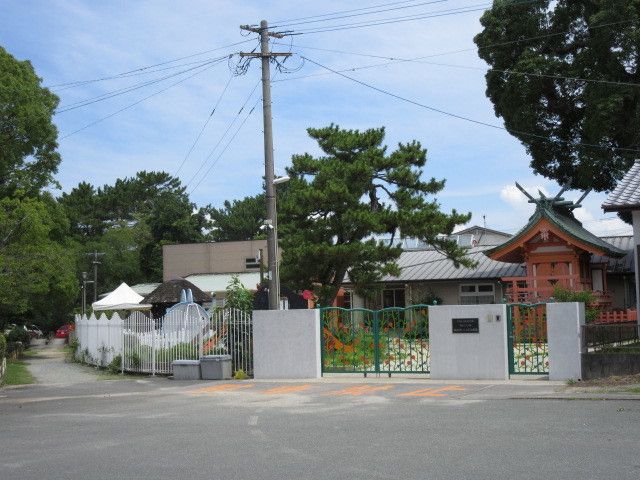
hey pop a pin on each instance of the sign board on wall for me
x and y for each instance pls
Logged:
(465, 325)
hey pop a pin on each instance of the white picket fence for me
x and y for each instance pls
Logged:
(150, 345)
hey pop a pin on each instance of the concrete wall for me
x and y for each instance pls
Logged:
(221, 257)
(564, 342)
(480, 355)
(601, 364)
(286, 344)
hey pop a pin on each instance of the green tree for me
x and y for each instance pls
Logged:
(238, 296)
(28, 137)
(336, 203)
(130, 221)
(568, 47)
(238, 220)
(37, 261)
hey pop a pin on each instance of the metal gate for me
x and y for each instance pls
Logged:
(527, 336)
(392, 340)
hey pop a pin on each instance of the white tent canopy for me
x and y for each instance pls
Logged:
(122, 298)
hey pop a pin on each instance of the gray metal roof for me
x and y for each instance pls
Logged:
(424, 265)
(618, 265)
(626, 195)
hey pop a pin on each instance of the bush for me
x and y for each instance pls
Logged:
(587, 297)
(116, 364)
(19, 334)
(3, 347)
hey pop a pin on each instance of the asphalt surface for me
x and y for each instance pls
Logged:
(342, 428)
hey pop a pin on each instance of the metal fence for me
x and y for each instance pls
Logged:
(150, 345)
(389, 341)
(619, 337)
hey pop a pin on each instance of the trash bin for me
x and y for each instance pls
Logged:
(186, 369)
(215, 367)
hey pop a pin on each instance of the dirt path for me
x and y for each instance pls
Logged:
(49, 367)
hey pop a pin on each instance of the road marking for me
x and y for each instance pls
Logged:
(225, 387)
(358, 390)
(253, 420)
(286, 389)
(432, 392)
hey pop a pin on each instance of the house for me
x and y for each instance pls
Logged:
(625, 198)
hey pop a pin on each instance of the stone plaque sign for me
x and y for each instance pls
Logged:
(465, 325)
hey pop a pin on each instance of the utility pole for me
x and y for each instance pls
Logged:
(95, 263)
(272, 222)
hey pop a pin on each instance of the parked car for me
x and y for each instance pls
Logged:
(34, 331)
(63, 331)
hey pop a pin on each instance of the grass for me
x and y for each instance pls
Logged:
(17, 374)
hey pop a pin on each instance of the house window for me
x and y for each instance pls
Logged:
(393, 297)
(250, 263)
(474, 294)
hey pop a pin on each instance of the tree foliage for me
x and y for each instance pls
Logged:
(28, 137)
(238, 296)
(238, 220)
(130, 221)
(568, 46)
(336, 203)
(37, 262)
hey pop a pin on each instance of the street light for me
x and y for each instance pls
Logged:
(272, 247)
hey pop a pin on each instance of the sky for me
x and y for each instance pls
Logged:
(153, 127)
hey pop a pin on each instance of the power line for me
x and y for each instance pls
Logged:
(140, 69)
(131, 88)
(204, 126)
(206, 67)
(461, 117)
(449, 52)
(408, 18)
(134, 74)
(482, 69)
(343, 11)
(282, 25)
(233, 121)
(226, 147)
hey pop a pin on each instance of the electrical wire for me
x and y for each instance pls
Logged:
(394, 60)
(140, 69)
(131, 88)
(343, 11)
(231, 124)
(204, 126)
(467, 119)
(101, 119)
(482, 69)
(282, 25)
(408, 18)
(226, 147)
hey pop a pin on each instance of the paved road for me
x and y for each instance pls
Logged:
(340, 428)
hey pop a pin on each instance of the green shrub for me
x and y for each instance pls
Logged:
(134, 358)
(561, 294)
(240, 375)
(116, 364)
(19, 334)
(3, 347)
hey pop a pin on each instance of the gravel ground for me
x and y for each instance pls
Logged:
(49, 367)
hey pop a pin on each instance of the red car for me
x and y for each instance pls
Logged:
(63, 331)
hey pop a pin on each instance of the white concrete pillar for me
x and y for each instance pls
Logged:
(564, 340)
(473, 354)
(286, 344)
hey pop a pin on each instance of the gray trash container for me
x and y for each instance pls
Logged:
(186, 369)
(215, 367)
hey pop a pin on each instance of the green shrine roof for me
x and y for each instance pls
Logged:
(559, 213)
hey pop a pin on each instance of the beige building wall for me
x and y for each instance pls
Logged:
(221, 257)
